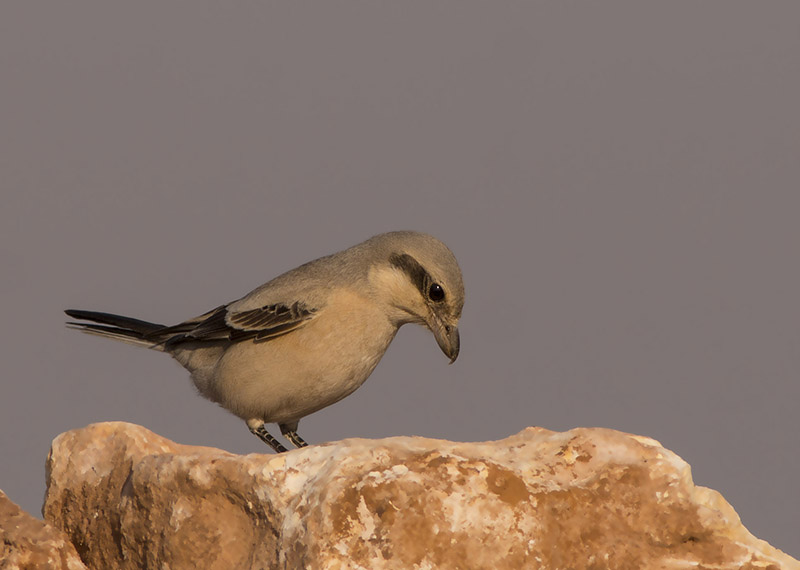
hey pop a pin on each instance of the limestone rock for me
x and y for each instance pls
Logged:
(586, 498)
(27, 543)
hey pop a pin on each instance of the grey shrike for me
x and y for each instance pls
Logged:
(311, 336)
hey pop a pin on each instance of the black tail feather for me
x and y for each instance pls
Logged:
(127, 324)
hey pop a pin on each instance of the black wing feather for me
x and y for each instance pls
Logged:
(222, 324)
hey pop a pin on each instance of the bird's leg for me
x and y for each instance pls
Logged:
(259, 429)
(289, 431)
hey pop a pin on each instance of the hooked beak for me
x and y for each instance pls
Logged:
(448, 339)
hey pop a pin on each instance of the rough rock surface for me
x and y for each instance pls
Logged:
(586, 498)
(27, 543)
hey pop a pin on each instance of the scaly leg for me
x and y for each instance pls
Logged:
(259, 429)
(289, 431)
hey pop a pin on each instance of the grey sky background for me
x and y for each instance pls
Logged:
(620, 182)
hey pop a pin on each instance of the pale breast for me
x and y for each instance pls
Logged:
(291, 376)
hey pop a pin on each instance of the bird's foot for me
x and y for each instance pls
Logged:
(261, 432)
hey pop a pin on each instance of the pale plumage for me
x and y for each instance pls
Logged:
(312, 335)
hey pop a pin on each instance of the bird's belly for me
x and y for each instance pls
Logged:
(286, 378)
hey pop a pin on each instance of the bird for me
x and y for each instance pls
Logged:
(309, 337)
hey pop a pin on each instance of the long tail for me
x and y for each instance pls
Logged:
(126, 329)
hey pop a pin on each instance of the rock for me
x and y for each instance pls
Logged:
(586, 498)
(28, 543)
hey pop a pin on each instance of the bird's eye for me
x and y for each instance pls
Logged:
(436, 293)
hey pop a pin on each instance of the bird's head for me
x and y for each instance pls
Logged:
(418, 278)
